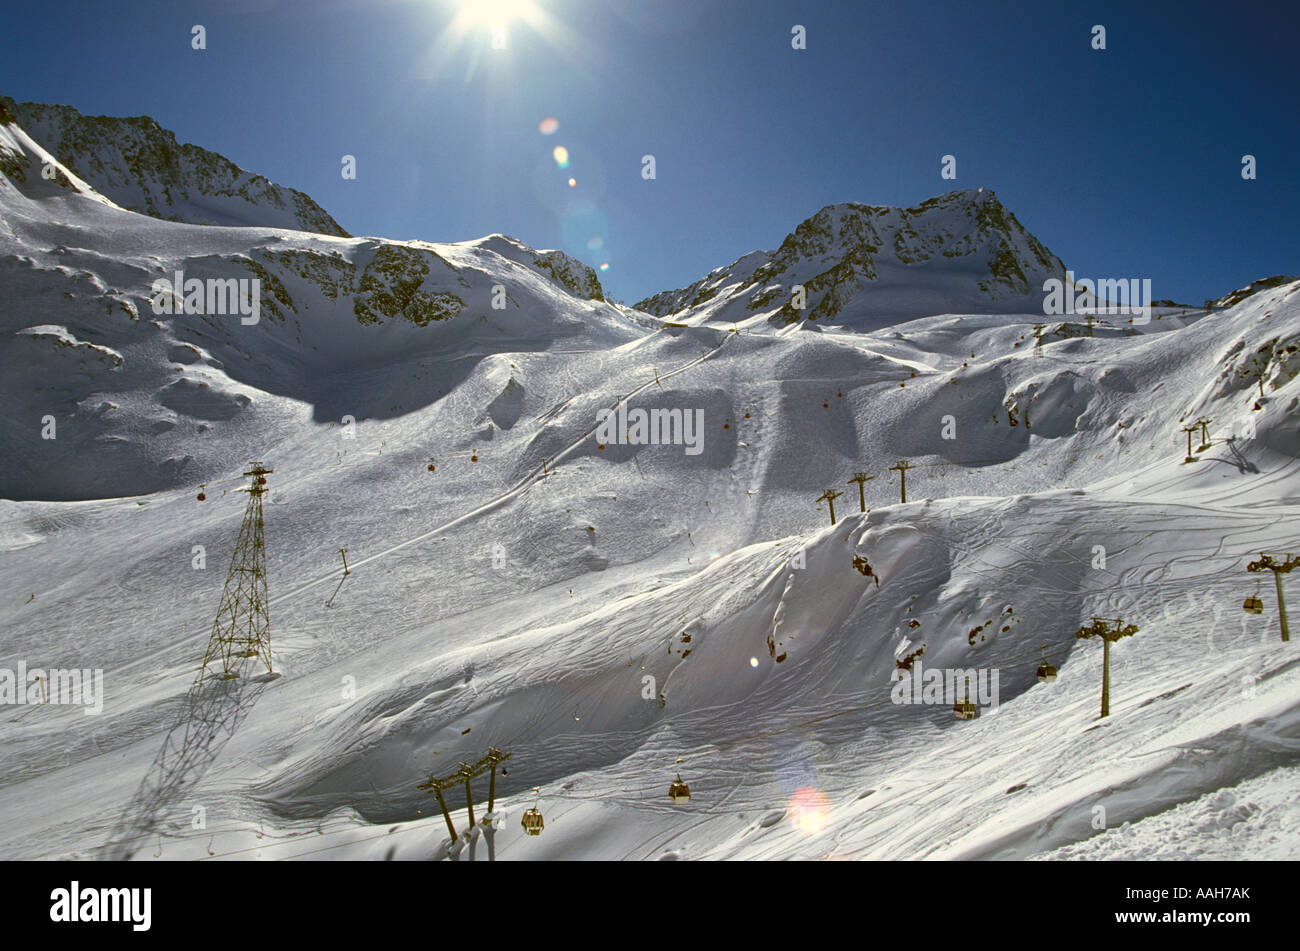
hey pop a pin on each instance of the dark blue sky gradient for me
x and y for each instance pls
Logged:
(1126, 162)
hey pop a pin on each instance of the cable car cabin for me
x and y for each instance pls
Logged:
(964, 709)
(1253, 605)
(1046, 673)
(679, 791)
(532, 822)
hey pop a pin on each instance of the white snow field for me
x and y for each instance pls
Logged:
(602, 611)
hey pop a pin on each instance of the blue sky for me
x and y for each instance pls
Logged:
(1125, 162)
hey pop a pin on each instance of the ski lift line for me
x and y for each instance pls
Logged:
(714, 713)
(1031, 657)
(296, 837)
(1081, 702)
(639, 802)
(521, 486)
(411, 541)
(529, 732)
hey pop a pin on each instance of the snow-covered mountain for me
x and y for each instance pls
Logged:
(866, 266)
(148, 403)
(613, 612)
(140, 166)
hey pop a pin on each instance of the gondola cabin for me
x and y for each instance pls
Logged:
(964, 709)
(1046, 673)
(532, 821)
(1253, 605)
(679, 791)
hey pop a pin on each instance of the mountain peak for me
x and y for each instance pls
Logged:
(563, 269)
(139, 165)
(962, 250)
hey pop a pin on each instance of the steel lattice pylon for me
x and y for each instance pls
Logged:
(242, 628)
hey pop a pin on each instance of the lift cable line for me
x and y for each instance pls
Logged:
(1190, 583)
(242, 627)
(522, 485)
(1004, 661)
(720, 744)
(1163, 584)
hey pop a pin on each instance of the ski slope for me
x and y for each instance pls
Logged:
(604, 611)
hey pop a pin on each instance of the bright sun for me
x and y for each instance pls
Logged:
(485, 30)
(495, 12)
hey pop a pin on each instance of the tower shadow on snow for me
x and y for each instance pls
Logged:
(210, 713)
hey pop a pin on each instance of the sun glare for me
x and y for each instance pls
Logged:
(488, 32)
(495, 12)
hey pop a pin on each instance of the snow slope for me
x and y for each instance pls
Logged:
(603, 611)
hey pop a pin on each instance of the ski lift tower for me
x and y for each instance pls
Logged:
(1280, 564)
(242, 628)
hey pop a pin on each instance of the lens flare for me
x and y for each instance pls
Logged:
(561, 156)
(595, 243)
(548, 126)
(809, 810)
(753, 662)
(605, 266)
(573, 183)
